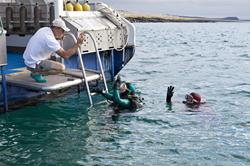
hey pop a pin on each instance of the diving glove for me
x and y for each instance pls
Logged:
(170, 93)
(117, 82)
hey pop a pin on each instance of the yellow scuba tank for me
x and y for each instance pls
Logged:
(69, 6)
(85, 6)
(77, 6)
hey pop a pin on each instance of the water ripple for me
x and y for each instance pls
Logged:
(237, 156)
(238, 46)
(244, 55)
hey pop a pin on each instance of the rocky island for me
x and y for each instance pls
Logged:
(150, 17)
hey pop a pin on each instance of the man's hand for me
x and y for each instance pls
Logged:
(71, 51)
(170, 93)
(80, 39)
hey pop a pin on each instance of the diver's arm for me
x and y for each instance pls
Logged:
(126, 103)
(170, 93)
(108, 96)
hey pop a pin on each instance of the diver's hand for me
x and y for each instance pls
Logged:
(170, 93)
(118, 79)
(117, 82)
(116, 85)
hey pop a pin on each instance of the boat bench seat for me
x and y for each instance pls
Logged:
(70, 77)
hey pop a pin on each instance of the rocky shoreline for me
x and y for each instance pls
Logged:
(149, 17)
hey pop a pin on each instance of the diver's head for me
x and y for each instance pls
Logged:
(193, 98)
(123, 88)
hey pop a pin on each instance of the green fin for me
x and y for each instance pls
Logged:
(38, 78)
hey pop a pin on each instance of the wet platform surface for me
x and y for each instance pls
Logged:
(70, 77)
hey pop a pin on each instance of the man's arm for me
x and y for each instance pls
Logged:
(71, 51)
(68, 53)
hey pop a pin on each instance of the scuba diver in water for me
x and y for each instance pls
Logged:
(123, 96)
(192, 100)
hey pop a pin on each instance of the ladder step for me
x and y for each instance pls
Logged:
(90, 74)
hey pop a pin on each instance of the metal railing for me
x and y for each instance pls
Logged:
(83, 68)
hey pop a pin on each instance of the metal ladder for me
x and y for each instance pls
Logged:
(83, 68)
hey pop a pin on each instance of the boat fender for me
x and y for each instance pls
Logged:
(51, 13)
(8, 18)
(37, 13)
(22, 19)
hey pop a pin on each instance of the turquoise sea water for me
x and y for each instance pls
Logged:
(212, 59)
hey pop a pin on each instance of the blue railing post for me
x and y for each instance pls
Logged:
(3, 62)
(4, 90)
(112, 65)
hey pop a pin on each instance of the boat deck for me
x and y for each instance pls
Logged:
(70, 77)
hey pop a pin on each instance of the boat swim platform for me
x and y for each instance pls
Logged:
(69, 78)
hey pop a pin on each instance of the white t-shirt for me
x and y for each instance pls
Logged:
(40, 47)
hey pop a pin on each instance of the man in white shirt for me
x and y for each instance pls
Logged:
(40, 47)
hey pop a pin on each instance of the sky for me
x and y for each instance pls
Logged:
(205, 8)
